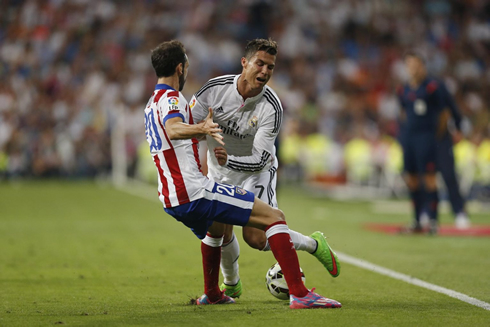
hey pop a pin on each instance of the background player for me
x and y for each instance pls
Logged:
(199, 203)
(250, 115)
(445, 157)
(422, 101)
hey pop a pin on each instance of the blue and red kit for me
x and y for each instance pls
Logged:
(422, 107)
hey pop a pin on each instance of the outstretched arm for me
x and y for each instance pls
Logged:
(178, 130)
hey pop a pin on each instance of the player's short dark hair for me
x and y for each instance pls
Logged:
(166, 56)
(415, 53)
(252, 47)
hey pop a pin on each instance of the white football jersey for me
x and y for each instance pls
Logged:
(180, 179)
(249, 127)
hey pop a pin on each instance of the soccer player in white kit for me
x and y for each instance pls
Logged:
(200, 203)
(250, 114)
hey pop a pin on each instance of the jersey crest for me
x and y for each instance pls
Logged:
(240, 190)
(253, 122)
(420, 107)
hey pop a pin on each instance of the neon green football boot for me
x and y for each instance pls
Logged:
(325, 254)
(233, 291)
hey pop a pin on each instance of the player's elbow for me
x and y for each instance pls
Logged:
(172, 134)
(170, 129)
(257, 168)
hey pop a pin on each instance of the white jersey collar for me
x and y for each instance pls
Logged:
(254, 99)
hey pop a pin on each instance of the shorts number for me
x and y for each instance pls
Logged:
(261, 188)
(228, 189)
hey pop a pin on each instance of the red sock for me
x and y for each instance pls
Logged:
(211, 257)
(283, 249)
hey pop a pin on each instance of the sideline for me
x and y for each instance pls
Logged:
(148, 192)
(411, 280)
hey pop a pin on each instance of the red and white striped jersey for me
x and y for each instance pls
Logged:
(180, 179)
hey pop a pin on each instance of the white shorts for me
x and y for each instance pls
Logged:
(263, 185)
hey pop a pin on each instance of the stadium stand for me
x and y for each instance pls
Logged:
(68, 69)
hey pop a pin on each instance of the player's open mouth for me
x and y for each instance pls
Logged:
(261, 80)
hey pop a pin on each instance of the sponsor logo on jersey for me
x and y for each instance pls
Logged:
(253, 122)
(420, 107)
(240, 191)
(193, 103)
(173, 101)
(232, 129)
(218, 110)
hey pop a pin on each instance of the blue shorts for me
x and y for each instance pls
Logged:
(226, 204)
(419, 153)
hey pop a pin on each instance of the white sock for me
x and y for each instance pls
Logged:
(214, 242)
(301, 242)
(229, 261)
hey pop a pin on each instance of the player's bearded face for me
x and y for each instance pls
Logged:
(258, 70)
(183, 77)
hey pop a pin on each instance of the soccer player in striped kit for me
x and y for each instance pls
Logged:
(200, 203)
(250, 114)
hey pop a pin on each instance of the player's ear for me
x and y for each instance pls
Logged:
(179, 69)
(244, 62)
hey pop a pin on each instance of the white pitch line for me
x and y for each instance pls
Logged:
(140, 189)
(411, 280)
(143, 190)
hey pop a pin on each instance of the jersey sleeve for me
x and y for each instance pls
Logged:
(206, 97)
(171, 106)
(263, 146)
(198, 108)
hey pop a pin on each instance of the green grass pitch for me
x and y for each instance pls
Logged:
(84, 254)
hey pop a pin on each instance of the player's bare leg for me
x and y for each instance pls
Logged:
(273, 222)
(256, 239)
(432, 199)
(417, 196)
(315, 244)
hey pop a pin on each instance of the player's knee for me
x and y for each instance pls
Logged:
(216, 229)
(412, 182)
(430, 182)
(274, 216)
(431, 186)
(256, 240)
(227, 238)
(279, 215)
(228, 234)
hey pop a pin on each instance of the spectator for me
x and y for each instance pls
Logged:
(65, 66)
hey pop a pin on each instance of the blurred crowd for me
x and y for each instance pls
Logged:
(70, 68)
